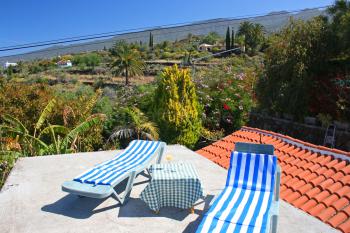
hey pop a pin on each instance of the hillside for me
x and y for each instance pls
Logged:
(272, 22)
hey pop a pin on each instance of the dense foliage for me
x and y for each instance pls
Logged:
(176, 108)
(301, 70)
(303, 66)
(253, 35)
(87, 61)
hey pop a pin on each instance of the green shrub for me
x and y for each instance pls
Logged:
(90, 60)
(176, 108)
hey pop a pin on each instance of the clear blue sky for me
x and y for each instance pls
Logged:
(26, 21)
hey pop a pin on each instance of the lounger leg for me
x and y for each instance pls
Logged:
(148, 173)
(274, 224)
(277, 183)
(160, 155)
(129, 185)
(274, 220)
(122, 200)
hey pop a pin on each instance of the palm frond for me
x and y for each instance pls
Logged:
(122, 133)
(10, 131)
(45, 113)
(38, 144)
(91, 103)
(92, 121)
(151, 128)
(14, 122)
(55, 128)
(147, 136)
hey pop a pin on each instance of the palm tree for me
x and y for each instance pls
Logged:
(253, 34)
(137, 125)
(127, 61)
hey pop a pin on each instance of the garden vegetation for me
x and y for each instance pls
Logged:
(301, 70)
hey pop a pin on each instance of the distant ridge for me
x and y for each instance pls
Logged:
(272, 22)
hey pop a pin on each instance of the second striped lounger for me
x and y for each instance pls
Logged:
(249, 201)
(100, 181)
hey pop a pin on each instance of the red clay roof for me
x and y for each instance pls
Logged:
(315, 179)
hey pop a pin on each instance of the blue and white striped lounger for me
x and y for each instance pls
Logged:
(99, 181)
(245, 204)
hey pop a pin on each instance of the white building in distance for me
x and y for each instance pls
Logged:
(8, 64)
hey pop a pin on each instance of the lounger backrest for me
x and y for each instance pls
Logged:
(252, 171)
(136, 154)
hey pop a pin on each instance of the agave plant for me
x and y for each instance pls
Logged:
(137, 125)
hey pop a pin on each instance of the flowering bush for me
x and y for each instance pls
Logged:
(226, 92)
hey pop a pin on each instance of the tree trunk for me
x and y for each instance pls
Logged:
(126, 77)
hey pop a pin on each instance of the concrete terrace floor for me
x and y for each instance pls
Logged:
(32, 201)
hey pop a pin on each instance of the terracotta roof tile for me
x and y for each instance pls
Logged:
(305, 188)
(346, 170)
(309, 205)
(317, 209)
(327, 183)
(318, 180)
(292, 197)
(345, 190)
(283, 187)
(300, 201)
(334, 187)
(345, 226)
(321, 196)
(331, 163)
(326, 214)
(346, 210)
(330, 200)
(314, 178)
(286, 193)
(337, 219)
(340, 165)
(313, 192)
(345, 180)
(337, 176)
(339, 204)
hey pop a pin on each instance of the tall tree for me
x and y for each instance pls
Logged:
(228, 39)
(150, 43)
(340, 26)
(253, 35)
(211, 38)
(127, 61)
(232, 39)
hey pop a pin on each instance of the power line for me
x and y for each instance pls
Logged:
(122, 32)
(214, 55)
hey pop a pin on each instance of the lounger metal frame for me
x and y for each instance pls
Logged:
(103, 191)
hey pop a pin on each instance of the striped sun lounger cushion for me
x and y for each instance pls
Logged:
(244, 204)
(137, 153)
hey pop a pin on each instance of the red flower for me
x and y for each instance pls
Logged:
(226, 107)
